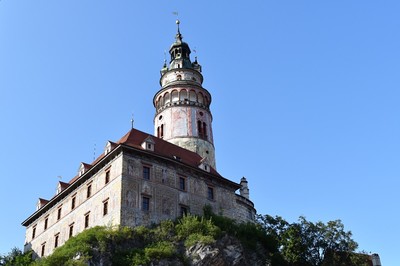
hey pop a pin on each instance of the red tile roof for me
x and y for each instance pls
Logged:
(63, 185)
(43, 201)
(135, 138)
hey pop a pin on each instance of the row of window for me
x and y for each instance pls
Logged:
(73, 204)
(182, 183)
(146, 206)
(146, 175)
(201, 130)
(71, 228)
(182, 95)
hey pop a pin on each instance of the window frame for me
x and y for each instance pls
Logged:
(42, 252)
(107, 177)
(73, 202)
(146, 172)
(46, 222)
(87, 218)
(210, 193)
(89, 190)
(59, 213)
(105, 207)
(182, 183)
(71, 230)
(146, 203)
(184, 210)
(34, 231)
(56, 239)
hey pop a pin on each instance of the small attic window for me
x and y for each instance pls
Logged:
(107, 149)
(148, 144)
(40, 203)
(59, 188)
(81, 170)
(205, 166)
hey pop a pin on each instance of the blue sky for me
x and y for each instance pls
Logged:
(305, 100)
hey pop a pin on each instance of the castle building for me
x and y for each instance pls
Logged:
(142, 178)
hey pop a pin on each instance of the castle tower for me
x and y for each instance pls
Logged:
(183, 115)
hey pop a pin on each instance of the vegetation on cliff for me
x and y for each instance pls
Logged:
(271, 240)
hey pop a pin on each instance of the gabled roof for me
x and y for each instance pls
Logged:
(63, 185)
(42, 201)
(135, 138)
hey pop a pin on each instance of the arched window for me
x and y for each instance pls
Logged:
(174, 95)
(183, 95)
(193, 97)
(200, 98)
(160, 102)
(166, 98)
(205, 130)
(199, 129)
(162, 131)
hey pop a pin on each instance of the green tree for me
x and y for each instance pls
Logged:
(307, 243)
(16, 258)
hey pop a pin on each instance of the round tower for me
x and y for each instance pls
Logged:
(183, 115)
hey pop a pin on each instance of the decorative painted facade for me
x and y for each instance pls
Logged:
(143, 179)
(183, 115)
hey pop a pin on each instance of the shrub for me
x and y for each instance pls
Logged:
(195, 238)
(190, 224)
(160, 250)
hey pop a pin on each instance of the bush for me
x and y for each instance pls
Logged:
(190, 224)
(160, 250)
(195, 238)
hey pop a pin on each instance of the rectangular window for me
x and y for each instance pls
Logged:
(182, 183)
(89, 191)
(33, 232)
(87, 220)
(145, 204)
(184, 210)
(146, 172)
(46, 222)
(105, 207)
(210, 193)
(43, 249)
(73, 202)
(107, 178)
(71, 230)
(56, 237)
(59, 213)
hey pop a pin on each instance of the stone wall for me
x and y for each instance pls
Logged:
(93, 205)
(166, 197)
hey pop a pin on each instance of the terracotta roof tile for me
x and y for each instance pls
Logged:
(63, 185)
(134, 138)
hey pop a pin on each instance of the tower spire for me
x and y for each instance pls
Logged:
(183, 115)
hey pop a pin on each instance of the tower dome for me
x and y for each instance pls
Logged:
(183, 115)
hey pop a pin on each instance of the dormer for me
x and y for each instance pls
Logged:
(40, 203)
(148, 144)
(61, 186)
(205, 165)
(83, 168)
(108, 148)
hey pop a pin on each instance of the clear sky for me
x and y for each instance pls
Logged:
(305, 100)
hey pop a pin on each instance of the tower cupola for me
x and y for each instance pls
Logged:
(183, 115)
(180, 52)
